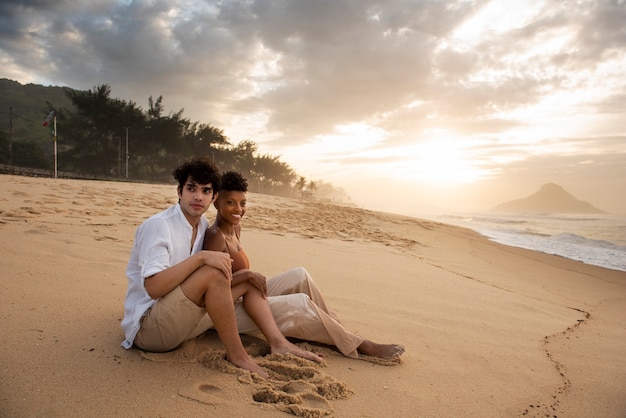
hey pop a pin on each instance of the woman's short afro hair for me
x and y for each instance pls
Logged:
(234, 182)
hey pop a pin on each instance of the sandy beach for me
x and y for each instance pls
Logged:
(489, 330)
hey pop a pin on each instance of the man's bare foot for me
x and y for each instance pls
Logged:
(383, 351)
(289, 348)
(249, 364)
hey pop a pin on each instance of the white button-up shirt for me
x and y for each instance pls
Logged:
(161, 241)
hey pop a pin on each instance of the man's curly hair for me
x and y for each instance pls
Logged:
(201, 170)
(234, 182)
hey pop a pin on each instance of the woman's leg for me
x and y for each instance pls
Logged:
(298, 280)
(258, 310)
(297, 316)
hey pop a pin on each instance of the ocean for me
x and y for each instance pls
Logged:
(593, 239)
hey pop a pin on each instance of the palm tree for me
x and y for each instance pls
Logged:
(301, 183)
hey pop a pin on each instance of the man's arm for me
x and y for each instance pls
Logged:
(164, 282)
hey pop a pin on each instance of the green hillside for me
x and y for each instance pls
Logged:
(29, 107)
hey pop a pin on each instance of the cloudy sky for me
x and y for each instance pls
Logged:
(409, 105)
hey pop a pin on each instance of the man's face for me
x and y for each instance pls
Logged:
(195, 199)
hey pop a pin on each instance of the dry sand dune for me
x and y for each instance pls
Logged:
(490, 330)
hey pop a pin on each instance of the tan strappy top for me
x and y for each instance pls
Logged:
(240, 259)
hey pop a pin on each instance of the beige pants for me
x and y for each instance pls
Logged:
(300, 312)
(170, 321)
(296, 303)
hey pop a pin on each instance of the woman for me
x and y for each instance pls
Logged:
(295, 300)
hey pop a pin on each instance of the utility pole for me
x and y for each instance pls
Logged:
(126, 151)
(10, 135)
(119, 157)
(54, 139)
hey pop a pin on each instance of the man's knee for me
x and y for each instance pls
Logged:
(213, 278)
(202, 281)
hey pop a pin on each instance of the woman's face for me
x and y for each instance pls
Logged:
(231, 206)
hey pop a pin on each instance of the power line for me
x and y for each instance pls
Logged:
(10, 136)
(19, 116)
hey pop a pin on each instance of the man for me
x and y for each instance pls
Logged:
(176, 290)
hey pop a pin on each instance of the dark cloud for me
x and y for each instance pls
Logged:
(602, 31)
(344, 64)
(341, 61)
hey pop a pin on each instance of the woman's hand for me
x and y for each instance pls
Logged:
(219, 260)
(259, 281)
(256, 279)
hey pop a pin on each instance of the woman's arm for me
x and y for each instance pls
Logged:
(215, 241)
(257, 279)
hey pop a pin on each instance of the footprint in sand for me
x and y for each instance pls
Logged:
(20, 194)
(205, 393)
(19, 214)
(106, 238)
(295, 386)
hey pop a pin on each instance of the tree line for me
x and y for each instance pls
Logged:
(108, 137)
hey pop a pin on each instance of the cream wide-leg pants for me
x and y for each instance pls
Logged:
(300, 312)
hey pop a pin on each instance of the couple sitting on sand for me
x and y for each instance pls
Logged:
(185, 277)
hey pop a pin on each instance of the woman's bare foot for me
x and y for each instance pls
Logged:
(383, 351)
(290, 348)
(249, 364)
